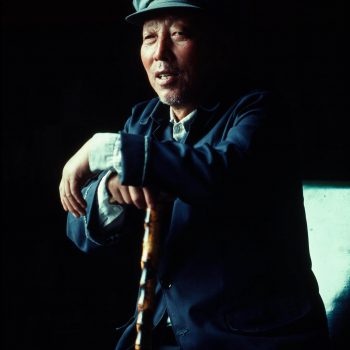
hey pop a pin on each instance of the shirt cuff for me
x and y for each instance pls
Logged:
(107, 212)
(105, 152)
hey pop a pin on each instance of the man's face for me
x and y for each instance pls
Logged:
(169, 53)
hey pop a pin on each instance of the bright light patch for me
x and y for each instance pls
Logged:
(328, 215)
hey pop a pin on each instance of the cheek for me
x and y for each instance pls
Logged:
(189, 58)
(145, 59)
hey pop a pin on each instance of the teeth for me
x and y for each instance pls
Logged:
(164, 76)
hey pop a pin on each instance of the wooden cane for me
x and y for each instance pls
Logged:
(149, 260)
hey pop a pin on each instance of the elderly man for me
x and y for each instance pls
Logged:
(234, 269)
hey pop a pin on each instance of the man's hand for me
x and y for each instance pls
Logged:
(74, 175)
(141, 197)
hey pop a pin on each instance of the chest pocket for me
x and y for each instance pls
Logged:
(271, 316)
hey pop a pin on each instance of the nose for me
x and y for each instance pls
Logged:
(162, 51)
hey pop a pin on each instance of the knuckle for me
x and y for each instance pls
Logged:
(127, 200)
(74, 192)
(135, 195)
(138, 201)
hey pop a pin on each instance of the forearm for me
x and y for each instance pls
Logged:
(250, 143)
(190, 173)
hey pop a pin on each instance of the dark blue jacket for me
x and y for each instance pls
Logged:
(235, 272)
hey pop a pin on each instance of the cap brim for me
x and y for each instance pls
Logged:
(140, 16)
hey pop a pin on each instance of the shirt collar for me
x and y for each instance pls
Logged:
(186, 121)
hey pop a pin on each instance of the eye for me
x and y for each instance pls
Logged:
(179, 34)
(149, 38)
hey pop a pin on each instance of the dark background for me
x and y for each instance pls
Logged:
(70, 69)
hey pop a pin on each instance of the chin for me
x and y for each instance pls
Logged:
(172, 99)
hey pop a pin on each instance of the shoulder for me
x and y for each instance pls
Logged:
(145, 107)
(267, 103)
(257, 98)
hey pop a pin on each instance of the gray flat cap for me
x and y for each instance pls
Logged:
(146, 7)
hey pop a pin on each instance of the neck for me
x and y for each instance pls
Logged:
(183, 111)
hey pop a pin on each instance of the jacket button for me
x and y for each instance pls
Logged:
(165, 284)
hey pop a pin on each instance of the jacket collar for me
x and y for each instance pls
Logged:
(156, 110)
(159, 112)
(203, 122)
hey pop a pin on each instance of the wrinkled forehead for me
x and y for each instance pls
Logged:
(167, 22)
(175, 16)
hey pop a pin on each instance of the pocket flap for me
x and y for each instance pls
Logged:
(267, 315)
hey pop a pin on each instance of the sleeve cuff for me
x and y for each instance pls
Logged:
(105, 152)
(107, 213)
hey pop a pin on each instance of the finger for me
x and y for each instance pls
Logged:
(60, 189)
(116, 197)
(138, 199)
(70, 201)
(70, 208)
(76, 193)
(63, 203)
(113, 187)
(149, 198)
(124, 191)
(67, 205)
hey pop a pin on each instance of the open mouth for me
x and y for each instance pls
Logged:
(165, 76)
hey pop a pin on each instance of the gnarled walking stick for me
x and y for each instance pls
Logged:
(149, 260)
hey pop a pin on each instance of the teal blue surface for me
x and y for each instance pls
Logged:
(327, 208)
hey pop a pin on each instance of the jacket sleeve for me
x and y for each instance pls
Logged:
(86, 232)
(253, 146)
